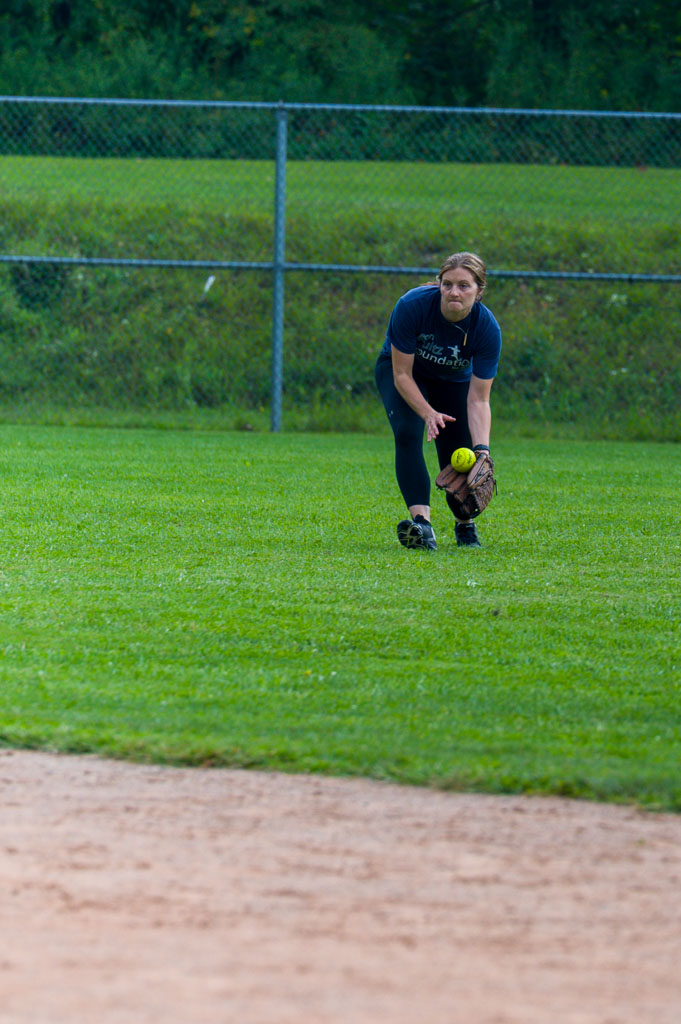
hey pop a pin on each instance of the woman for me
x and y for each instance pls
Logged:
(436, 369)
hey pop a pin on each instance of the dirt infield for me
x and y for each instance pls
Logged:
(139, 894)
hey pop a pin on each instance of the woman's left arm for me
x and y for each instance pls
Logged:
(479, 411)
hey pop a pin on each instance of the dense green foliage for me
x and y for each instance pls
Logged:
(601, 54)
(200, 130)
(169, 596)
(83, 343)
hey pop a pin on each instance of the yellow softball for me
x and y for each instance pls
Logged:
(463, 459)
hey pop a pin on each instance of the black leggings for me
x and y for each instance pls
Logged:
(445, 396)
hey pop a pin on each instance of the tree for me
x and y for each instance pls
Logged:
(534, 53)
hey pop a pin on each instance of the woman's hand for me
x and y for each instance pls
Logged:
(435, 422)
(403, 373)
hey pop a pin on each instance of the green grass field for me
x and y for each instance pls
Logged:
(241, 599)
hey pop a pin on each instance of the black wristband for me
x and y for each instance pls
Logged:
(481, 448)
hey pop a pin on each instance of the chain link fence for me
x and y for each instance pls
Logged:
(240, 260)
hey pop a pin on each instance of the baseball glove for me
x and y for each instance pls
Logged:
(469, 493)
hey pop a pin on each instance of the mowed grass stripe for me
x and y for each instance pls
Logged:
(541, 193)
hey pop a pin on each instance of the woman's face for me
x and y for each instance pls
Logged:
(458, 292)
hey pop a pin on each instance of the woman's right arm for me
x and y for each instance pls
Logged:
(403, 375)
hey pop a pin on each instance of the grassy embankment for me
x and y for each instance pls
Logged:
(141, 346)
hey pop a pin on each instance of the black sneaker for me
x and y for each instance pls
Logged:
(467, 535)
(416, 535)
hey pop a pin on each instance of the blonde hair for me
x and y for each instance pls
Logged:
(469, 261)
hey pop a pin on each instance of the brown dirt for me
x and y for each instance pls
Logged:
(138, 894)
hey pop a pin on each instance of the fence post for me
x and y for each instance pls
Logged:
(279, 250)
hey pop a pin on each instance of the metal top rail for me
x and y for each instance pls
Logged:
(383, 108)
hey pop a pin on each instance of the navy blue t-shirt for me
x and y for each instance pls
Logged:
(442, 349)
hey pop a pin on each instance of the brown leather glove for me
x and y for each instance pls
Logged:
(470, 492)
